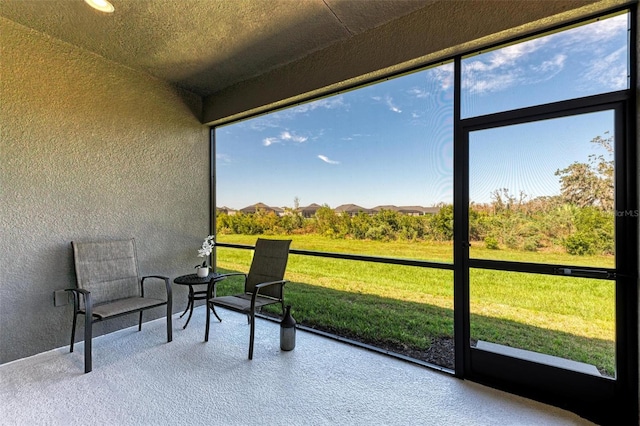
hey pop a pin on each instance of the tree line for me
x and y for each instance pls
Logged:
(579, 221)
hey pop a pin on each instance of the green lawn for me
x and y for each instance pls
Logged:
(407, 307)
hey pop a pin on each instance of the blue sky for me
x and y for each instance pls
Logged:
(531, 153)
(392, 142)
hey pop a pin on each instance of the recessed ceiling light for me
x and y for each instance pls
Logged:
(101, 5)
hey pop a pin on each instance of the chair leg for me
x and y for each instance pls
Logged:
(88, 323)
(169, 324)
(206, 328)
(213, 308)
(140, 322)
(73, 330)
(252, 334)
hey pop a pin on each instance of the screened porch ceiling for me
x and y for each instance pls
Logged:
(208, 45)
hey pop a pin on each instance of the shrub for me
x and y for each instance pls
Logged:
(442, 224)
(511, 241)
(408, 234)
(491, 243)
(379, 233)
(531, 244)
(580, 244)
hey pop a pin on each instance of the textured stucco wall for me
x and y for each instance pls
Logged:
(89, 149)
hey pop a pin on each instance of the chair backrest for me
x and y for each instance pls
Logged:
(268, 264)
(108, 269)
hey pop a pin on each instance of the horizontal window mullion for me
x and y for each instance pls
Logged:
(545, 269)
(355, 257)
(548, 111)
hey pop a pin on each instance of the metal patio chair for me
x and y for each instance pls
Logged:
(109, 286)
(263, 285)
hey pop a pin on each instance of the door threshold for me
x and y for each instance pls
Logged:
(551, 360)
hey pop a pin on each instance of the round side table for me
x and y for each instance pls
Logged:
(194, 280)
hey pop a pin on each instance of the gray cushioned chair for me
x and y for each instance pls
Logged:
(109, 286)
(263, 285)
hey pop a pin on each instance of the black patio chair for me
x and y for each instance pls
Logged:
(263, 285)
(109, 286)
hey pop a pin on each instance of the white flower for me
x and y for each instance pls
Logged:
(207, 248)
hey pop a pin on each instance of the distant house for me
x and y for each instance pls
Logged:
(378, 209)
(263, 207)
(418, 210)
(430, 210)
(226, 210)
(408, 210)
(351, 209)
(310, 210)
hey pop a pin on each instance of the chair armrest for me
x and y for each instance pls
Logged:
(260, 286)
(270, 283)
(211, 288)
(86, 295)
(78, 290)
(167, 284)
(220, 277)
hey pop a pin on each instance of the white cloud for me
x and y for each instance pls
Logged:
(437, 79)
(391, 105)
(593, 34)
(609, 71)
(288, 136)
(493, 83)
(353, 136)
(552, 66)
(275, 119)
(326, 103)
(284, 136)
(388, 101)
(502, 68)
(527, 63)
(418, 93)
(327, 160)
(444, 75)
(262, 123)
(512, 55)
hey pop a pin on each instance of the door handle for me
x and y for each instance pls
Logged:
(585, 273)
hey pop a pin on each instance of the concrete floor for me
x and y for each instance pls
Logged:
(140, 379)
